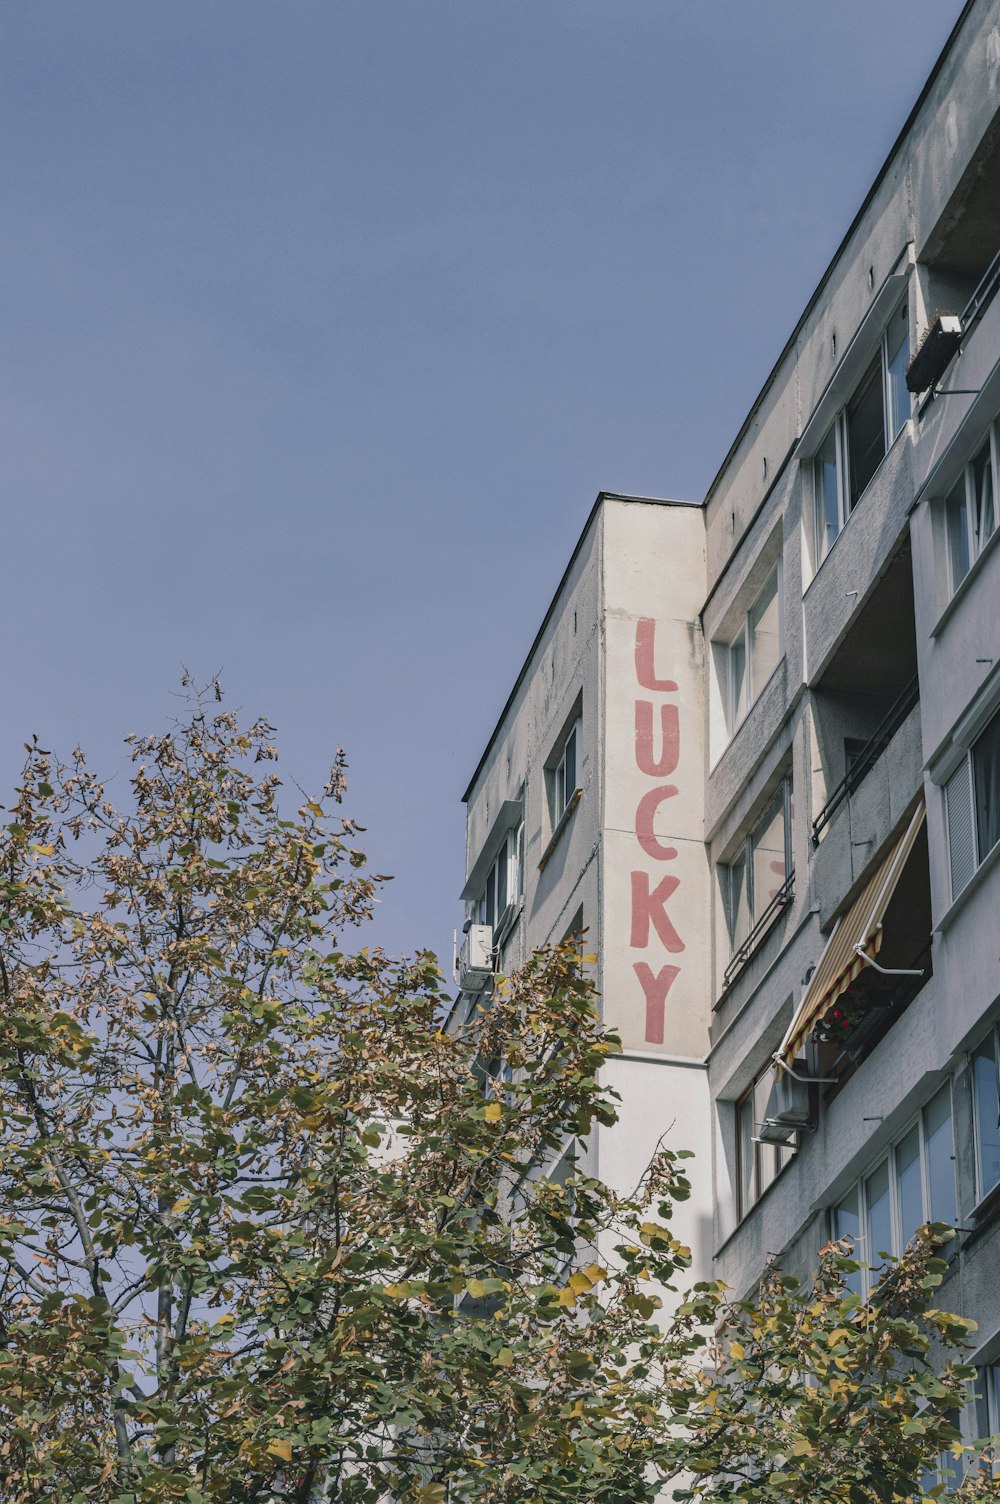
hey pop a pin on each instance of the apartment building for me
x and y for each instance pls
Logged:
(754, 752)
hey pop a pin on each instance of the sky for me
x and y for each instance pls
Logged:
(326, 320)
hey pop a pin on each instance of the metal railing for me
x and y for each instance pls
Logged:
(780, 901)
(868, 756)
(976, 306)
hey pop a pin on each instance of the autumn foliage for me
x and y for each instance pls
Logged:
(269, 1231)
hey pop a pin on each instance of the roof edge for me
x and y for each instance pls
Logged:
(838, 253)
(601, 498)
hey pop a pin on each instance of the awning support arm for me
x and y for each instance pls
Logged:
(778, 1059)
(887, 971)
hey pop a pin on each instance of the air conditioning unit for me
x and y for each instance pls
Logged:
(475, 959)
(787, 1107)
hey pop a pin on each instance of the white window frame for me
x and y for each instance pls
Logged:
(965, 853)
(768, 1159)
(993, 1038)
(561, 788)
(506, 875)
(745, 859)
(859, 1190)
(986, 1402)
(964, 490)
(839, 432)
(737, 706)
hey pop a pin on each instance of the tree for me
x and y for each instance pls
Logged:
(267, 1232)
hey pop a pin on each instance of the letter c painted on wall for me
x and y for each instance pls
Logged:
(644, 817)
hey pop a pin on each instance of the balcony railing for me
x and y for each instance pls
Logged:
(976, 306)
(868, 756)
(778, 903)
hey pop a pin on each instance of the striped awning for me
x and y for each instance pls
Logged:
(855, 940)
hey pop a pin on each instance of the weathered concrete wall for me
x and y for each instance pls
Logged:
(656, 977)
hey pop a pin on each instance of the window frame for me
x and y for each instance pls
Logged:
(742, 644)
(963, 494)
(560, 793)
(961, 782)
(508, 864)
(858, 1191)
(745, 860)
(992, 1036)
(986, 1402)
(839, 431)
(747, 1199)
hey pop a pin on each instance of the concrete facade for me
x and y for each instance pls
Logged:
(727, 664)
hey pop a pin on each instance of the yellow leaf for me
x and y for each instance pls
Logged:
(737, 1350)
(181, 1205)
(595, 1273)
(476, 1288)
(566, 1297)
(504, 1358)
(803, 1448)
(493, 1112)
(278, 1447)
(579, 1283)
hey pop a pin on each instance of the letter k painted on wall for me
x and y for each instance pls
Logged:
(649, 908)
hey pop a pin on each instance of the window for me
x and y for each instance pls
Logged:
(861, 435)
(754, 880)
(970, 512)
(987, 1398)
(986, 1099)
(913, 1184)
(756, 1164)
(754, 653)
(563, 774)
(504, 881)
(972, 806)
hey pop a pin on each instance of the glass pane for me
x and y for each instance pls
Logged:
(957, 525)
(768, 846)
(986, 782)
(847, 1224)
(939, 1147)
(502, 878)
(897, 351)
(987, 1095)
(747, 1193)
(980, 1397)
(983, 500)
(765, 634)
(569, 758)
(961, 845)
(737, 681)
(767, 1163)
(491, 897)
(865, 431)
(737, 902)
(827, 507)
(909, 1186)
(879, 1227)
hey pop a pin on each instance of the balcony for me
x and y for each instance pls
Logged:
(866, 814)
(779, 903)
(864, 759)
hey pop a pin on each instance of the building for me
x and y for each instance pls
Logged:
(755, 752)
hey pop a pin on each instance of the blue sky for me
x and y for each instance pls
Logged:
(325, 320)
